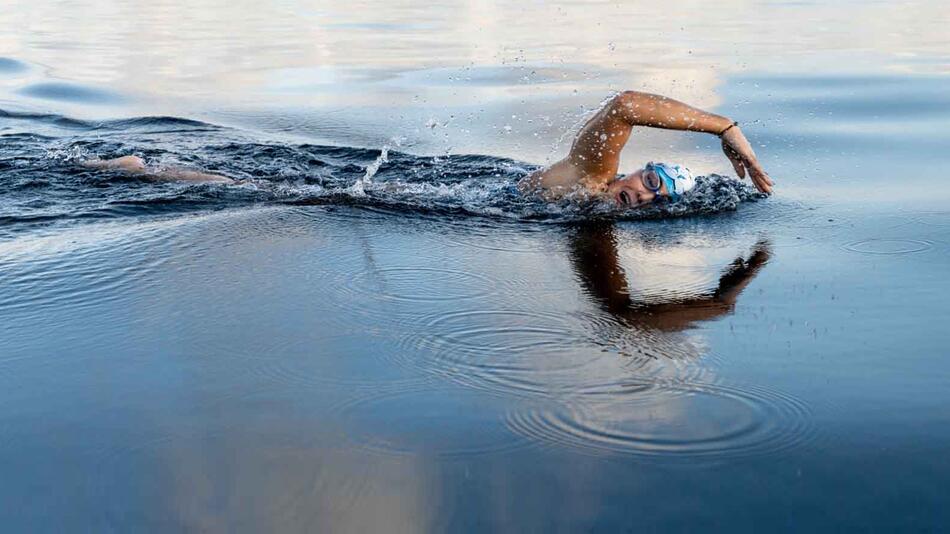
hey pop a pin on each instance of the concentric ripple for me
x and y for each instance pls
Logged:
(670, 420)
(648, 352)
(507, 350)
(888, 246)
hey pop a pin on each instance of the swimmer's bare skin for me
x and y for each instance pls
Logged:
(592, 164)
(135, 165)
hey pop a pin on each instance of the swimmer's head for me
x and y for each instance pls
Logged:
(654, 180)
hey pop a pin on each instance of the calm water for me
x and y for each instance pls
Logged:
(374, 332)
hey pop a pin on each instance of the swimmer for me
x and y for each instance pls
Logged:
(590, 169)
(136, 166)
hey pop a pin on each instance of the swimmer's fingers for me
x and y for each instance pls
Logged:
(734, 158)
(740, 153)
(761, 181)
(760, 178)
(738, 166)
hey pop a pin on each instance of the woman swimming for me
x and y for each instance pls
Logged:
(591, 166)
(590, 169)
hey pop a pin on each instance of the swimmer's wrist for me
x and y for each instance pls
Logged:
(716, 125)
(730, 126)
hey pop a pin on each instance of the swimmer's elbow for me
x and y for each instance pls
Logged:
(631, 105)
(630, 98)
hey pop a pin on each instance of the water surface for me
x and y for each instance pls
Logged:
(373, 331)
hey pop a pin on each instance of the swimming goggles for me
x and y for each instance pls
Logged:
(651, 178)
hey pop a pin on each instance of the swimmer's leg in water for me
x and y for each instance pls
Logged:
(129, 164)
(136, 165)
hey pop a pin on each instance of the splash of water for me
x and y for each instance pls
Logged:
(359, 186)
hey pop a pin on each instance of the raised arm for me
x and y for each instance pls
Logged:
(596, 149)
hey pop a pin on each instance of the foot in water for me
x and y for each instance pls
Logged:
(136, 165)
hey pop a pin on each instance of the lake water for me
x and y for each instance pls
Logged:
(373, 331)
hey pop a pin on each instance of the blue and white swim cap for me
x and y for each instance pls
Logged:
(678, 179)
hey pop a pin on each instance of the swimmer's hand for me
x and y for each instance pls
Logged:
(740, 153)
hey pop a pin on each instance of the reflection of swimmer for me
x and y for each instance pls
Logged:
(135, 165)
(591, 167)
(594, 254)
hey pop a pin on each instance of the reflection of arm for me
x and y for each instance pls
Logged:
(682, 314)
(740, 273)
(594, 253)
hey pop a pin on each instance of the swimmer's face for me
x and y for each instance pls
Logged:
(631, 192)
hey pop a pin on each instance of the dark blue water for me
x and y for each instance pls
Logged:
(373, 331)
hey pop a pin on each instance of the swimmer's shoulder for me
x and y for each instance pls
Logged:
(549, 180)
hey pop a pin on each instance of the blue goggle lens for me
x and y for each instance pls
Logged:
(651, 180)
